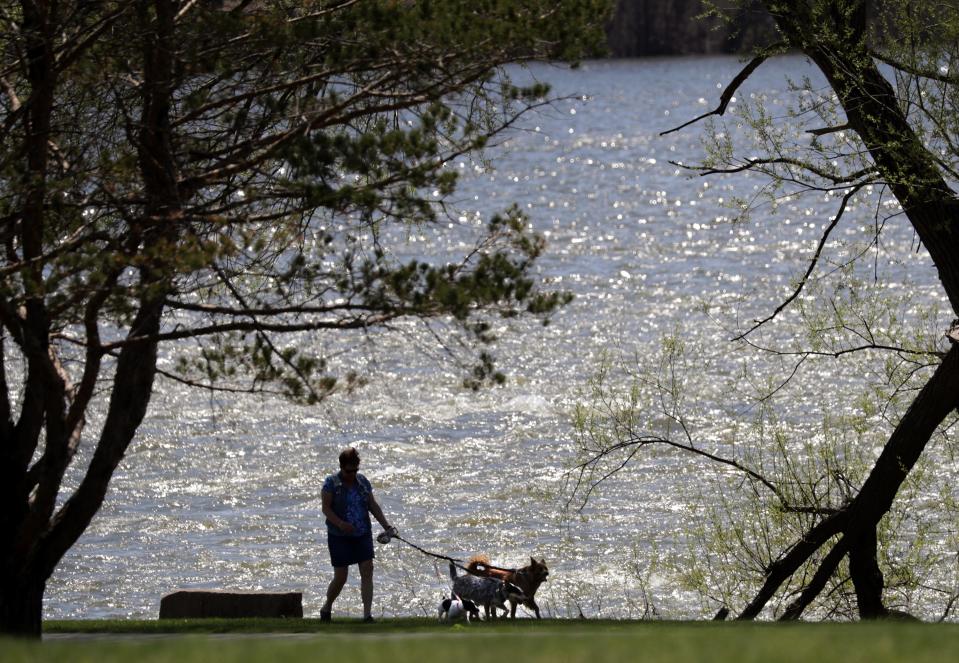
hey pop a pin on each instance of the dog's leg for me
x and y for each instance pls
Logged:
(512, 609)
(532, 604)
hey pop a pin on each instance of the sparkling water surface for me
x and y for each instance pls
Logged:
(225, 493)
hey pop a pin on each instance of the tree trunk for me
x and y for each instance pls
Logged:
(858, 521)
(783, 568)
(21, 605)
(873, 112)
(866, 576)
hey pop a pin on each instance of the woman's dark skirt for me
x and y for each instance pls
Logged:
(348, 550)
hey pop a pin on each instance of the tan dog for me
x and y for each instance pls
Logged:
(528, 579)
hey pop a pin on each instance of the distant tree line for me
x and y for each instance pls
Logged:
(639, 28)
(680, 27)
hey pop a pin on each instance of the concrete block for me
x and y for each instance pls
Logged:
(190, 603)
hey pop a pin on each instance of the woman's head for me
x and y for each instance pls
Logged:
(349, 459)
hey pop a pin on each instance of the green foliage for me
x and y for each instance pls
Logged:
(295, 135)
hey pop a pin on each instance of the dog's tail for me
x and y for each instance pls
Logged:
(452, 571)
(478, 565)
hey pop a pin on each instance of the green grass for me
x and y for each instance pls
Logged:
(526, 641)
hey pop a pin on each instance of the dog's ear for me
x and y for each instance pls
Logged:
(534, 562)
(543, 561)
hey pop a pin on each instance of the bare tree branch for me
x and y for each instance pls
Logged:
(812, 264)
(784, 567)
(828, 130)
(727, 94)
(638, 442)
(931, 74)
(823, 573)
(749, 164)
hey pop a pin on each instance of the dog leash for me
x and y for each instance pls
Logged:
(452, 560)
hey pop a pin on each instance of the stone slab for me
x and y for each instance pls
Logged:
(194, 603)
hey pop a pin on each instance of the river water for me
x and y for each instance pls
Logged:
(225, 493)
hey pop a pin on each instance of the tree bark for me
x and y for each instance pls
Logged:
(21, 605)
(867, 578)
(136, 365)
(819, 580)
(21, 593)
(937, 399)
(781, 570)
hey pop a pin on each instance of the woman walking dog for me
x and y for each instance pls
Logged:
(347, 504)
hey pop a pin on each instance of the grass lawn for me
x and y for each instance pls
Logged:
(424, 640)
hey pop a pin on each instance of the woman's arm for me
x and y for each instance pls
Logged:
(331, 515)
(378, 513)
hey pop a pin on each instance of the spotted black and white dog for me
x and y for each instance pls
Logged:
(455, 608)
(487, 592)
